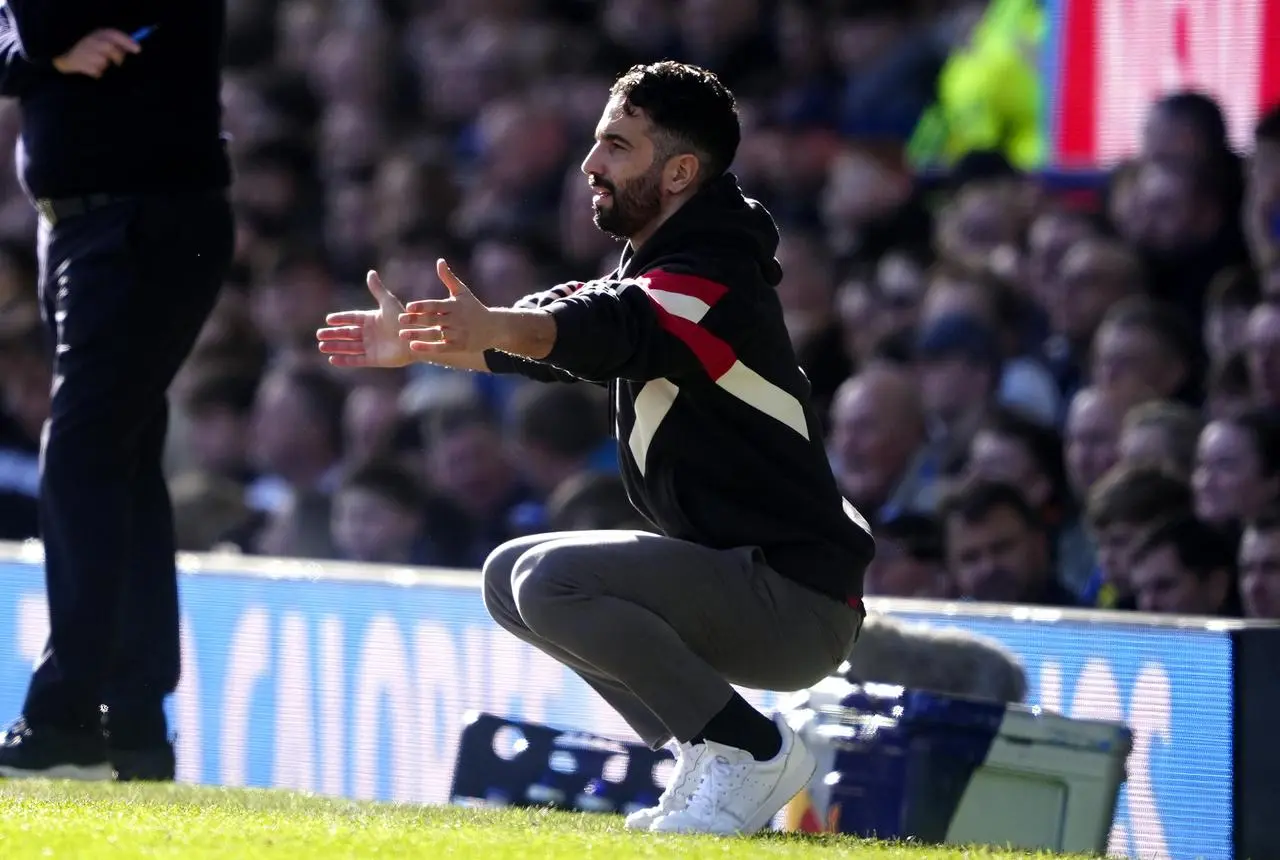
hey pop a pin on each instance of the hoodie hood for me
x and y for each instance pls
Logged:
(718, 220)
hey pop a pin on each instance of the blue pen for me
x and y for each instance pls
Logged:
(139, 35)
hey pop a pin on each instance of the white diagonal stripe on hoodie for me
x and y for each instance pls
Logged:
(651, 406)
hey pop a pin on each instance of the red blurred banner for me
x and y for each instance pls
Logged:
(1116, 56)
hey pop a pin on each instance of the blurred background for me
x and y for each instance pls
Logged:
(1032, 257)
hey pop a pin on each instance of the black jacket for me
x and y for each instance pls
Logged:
(152, 124)
(718, 441)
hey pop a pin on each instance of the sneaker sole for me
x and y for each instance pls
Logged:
(641, 823)
(79, 773)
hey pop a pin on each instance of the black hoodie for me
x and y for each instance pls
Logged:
(718, 440)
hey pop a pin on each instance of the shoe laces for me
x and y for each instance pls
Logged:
(676, 786)
(721, 778)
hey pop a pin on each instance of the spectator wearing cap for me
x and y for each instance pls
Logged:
(910, 561)
(1024, 382)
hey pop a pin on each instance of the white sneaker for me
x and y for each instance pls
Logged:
(684, 779)
(738, 794)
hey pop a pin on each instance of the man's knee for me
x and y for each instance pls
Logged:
(497, 573)
(547, 579)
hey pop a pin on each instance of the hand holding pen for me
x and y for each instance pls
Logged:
(100, 50)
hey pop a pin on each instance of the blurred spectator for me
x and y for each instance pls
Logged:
(1053, 231)
(26, 371)
(878, 434)
(1262, 349)
(1184, 567)
(959, 368)
(469, 467)
(1237, 473)
(207, 509)
(1229, 390)
(1095, 273)
(997, 548)
(956, 292)
(296, 437)
(1183, 223)
(556, 430)
(590, 500)
(295, 291)
(1092, 435)
(219, 407)
(1186, 127)
(1013, 448)
(377, 517)
(910, 561)
(1028, 454)
(1161, 433)
(1260, 566)
(807, 293)
(1145, 343)
(371, 414)
(1127, 501)
(1233, 294)
(1262, 201)
(298, 528)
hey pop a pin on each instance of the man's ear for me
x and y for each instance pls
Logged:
(680, 173)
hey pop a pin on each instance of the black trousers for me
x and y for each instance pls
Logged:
(125, 290)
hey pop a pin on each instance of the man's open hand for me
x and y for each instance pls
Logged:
(367, 338)
(459, 324)
(97, 52)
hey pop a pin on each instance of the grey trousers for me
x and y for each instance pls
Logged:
(660, 628)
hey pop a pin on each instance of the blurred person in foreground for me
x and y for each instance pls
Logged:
(122, 155)
(755, 574)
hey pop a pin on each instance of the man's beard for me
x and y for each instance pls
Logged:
(633, 206)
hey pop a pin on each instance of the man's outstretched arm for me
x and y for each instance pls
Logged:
(645, 328)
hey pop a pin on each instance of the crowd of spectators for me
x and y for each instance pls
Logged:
(1036, 396)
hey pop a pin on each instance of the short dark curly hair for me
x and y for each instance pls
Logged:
(691, 109)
